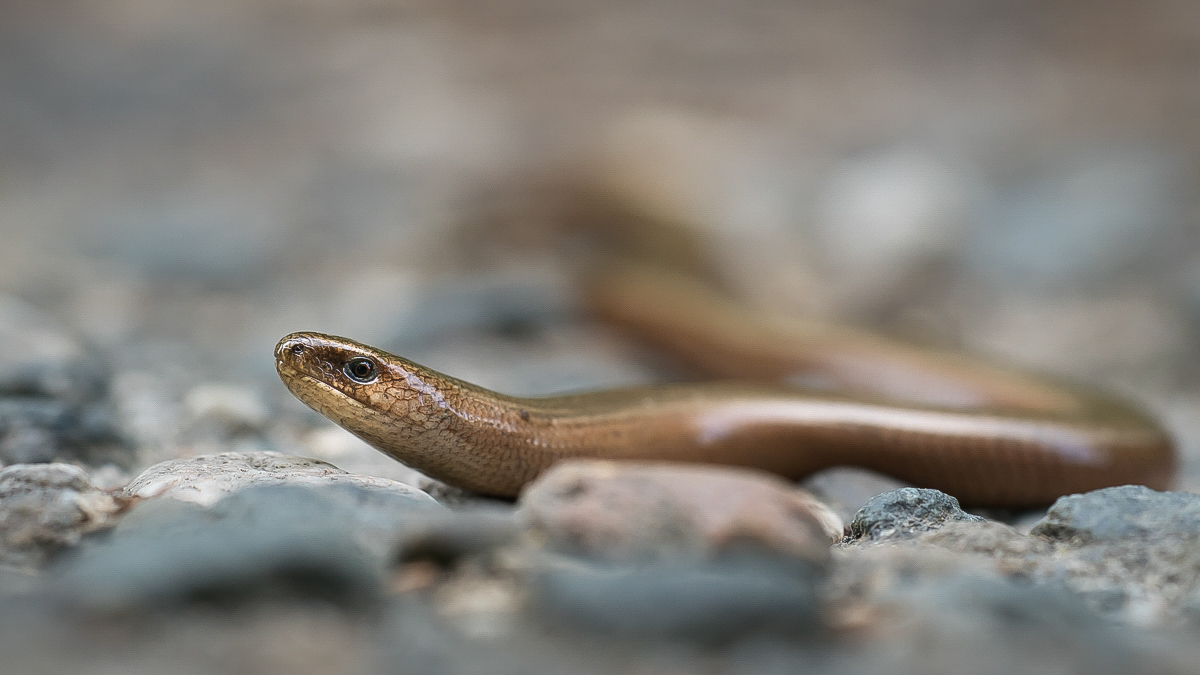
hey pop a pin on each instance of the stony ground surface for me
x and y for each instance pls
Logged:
(183, 183)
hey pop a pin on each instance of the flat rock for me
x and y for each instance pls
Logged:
(624, 511)
(47, 507)
(906, 512)
(206, 479)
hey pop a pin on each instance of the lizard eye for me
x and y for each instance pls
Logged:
(361, 370)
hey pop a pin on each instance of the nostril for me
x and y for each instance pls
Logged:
(291, 347)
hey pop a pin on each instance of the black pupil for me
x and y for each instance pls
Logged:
(361, 369)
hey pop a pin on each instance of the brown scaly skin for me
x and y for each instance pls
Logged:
(495, 444)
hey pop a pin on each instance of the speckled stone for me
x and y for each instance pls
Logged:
(905, 513)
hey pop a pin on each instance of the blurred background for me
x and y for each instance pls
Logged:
(182, 183)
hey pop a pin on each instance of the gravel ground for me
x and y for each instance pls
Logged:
(181, 184)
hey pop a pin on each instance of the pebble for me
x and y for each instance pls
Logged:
(906, 512)
(630, 511)
(208, 478)
(45, 508)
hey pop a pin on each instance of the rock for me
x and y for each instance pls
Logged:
(1130, 551)
(208, 478)
(1118, 514)
(905, 513)
(329, 542)
(623, 511)
(47, 507)
(711, 601)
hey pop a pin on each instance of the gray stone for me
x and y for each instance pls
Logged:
(1126, 512)
(708, 602)
(45, 508)
(905, 513)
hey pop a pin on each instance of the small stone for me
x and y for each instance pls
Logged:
(208, 478)
(1126, 512)
(906, 512)
(47, 507)
(639, 511)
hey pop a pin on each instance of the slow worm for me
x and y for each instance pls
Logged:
(988, 435)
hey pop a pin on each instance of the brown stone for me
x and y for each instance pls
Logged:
(643, 511)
